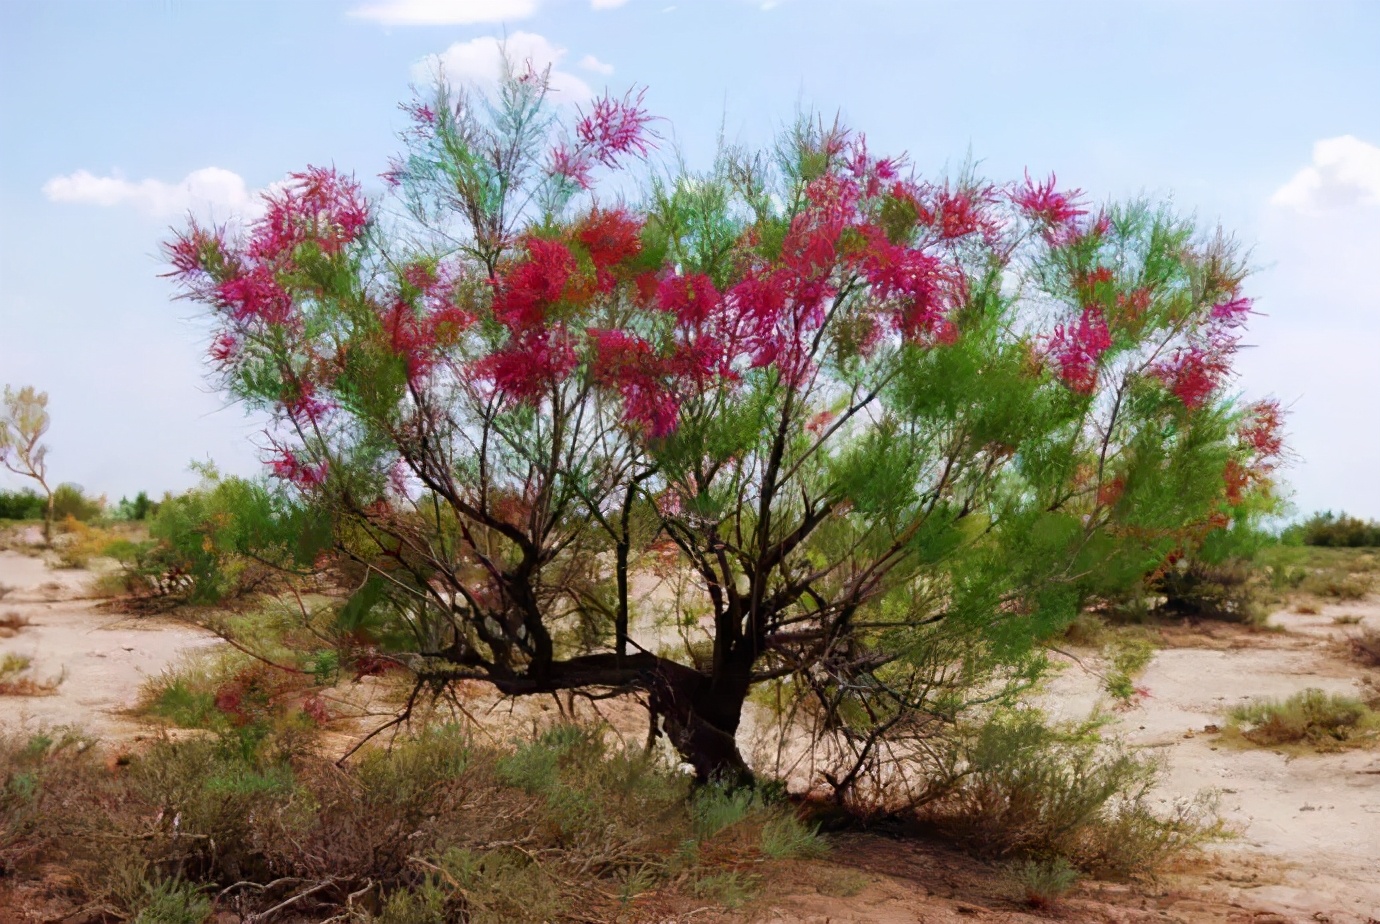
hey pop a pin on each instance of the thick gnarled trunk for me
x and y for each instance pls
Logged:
(700, 716)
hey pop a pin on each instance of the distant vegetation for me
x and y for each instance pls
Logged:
(1335, 531)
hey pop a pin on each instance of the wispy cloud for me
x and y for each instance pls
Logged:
(593, 64)
(210, 192)
(1345, 171)
(444, 12)
(480, 61)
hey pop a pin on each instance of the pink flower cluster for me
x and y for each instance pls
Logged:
(243, 282)
(611, 131)
(1042, 203)
(1077, 349)
(1193, 372)
(290, 467)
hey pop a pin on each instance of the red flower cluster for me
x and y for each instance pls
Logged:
(630, 364)
(319, 206)
(1078, 347)
(540, 349)
(1232, 312)
(1194, 372)
(1262, 432)
(615, 127)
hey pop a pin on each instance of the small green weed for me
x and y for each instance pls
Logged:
(786, 836)
(730, 888)
(1043, 882)
(173, 901)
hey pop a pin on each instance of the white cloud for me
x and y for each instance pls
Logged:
(1320, 302)
(591, 63)
(606, 4)
(444, 12)
(211, 192)
(480, 61)
(1345, 171)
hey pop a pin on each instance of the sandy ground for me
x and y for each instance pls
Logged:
(1307, 844)
(1307, 827)
(102, 658)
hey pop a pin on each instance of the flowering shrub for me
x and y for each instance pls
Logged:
(862, 410)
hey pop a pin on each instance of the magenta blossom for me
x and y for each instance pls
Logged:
(1077, 348)
(289, 467)
(615, 127)
(1041, 202)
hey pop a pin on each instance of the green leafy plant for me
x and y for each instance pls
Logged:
(1017, 787)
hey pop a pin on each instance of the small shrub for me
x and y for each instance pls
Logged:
(1365, 647)
(1020, 788)
(424, 904)
(1338, 531)
(1224, 590)
(1128, 658)
(1043, 882)
(70, 501)
(12, 622)
(14, 682)
(1324, 721)
(1348, 587)
(717, 807)
(786, 836)
(174, 901)
(1087, 631)
(1346, 619)
(81, 543)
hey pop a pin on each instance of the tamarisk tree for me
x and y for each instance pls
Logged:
(855, 412)
(22, 427)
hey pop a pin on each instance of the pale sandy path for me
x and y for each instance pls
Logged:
(1308, 841)
(105, 657)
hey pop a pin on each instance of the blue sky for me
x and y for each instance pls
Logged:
(118, 117)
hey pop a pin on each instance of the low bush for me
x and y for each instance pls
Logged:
(1347, 587)
(16, 680)
(435, 829)
(1127, 658)
(70, 500)
(202, 538)
(1023, 789)
(1322, 721)
(1222, 590)
(81, 542)
(1365, 647)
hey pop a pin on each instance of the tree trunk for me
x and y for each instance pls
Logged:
(700, 716)
(48, 521)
